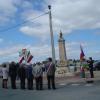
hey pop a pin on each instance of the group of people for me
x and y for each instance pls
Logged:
(29, 72)
(35, 72)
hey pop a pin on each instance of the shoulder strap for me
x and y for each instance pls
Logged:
(49, 67)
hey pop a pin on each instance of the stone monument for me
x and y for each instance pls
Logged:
(62, 51)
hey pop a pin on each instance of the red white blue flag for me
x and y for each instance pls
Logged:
(82, 55)
(25, 55)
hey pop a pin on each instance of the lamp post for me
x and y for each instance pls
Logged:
(51, 33)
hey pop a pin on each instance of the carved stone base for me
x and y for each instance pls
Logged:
(62, 64)
(63, 71)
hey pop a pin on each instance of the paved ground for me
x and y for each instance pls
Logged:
(68, 88)
(64, 91)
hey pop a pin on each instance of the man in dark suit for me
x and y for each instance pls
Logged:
(22, 75)
(90, 63)
(50, 68)
(13, 74)
(29, 75)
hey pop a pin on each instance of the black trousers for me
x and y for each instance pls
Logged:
(4, 83)
(30, 83)
(91, 73)
(51, 81)
(39, 83)
(22, 83)
(13, 82)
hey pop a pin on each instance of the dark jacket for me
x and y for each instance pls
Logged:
(50, 68)
(29, 71)
(13, 70)
(22, 72)
(90, 63)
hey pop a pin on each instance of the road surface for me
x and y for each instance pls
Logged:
(72, 91)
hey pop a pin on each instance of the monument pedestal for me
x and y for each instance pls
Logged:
(62, 63)
(63, 71)
(62, 68)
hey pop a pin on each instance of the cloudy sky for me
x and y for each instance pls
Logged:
(20, 27)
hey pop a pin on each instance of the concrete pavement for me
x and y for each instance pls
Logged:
(76, 78)
(63, 92)
(68, 88)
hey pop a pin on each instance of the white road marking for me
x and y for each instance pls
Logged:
(88, 84)
(62, 84)
(75, 84)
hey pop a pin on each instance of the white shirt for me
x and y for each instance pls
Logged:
(0, 71)
(5, 73)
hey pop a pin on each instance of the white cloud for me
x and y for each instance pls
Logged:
(76, 14)
(7, 6)
(38, 27)
(75, 43)
(26, 4)
(7, 11)
(68, 15)
(11, 50)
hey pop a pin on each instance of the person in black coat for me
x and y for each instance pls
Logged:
(22, 75)
(13, 74)
(90, 63)
(50, 69)
(29, 76)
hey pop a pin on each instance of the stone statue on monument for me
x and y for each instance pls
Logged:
(60, 34)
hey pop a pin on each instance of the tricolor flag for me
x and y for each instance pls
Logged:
(29, 58)
(25, 55)
(81, 54)
(21, 60)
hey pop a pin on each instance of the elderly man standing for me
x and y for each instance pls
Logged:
(30, 76)
(50, 69)
(13, 74)
(22, 75)
(38, 74)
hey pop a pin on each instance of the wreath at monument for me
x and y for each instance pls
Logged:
(25, 55)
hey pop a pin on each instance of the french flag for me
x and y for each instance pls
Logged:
(81, 54)
(21, 60)
(29, 58)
